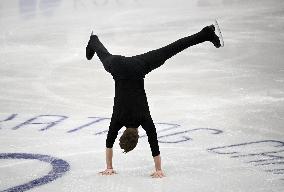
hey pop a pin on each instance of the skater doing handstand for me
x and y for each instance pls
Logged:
(130, 102)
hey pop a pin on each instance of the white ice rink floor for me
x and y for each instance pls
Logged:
(218, 112)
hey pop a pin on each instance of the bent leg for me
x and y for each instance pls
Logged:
(155, 58)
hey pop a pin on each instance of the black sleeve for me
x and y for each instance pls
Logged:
(150, 129)
(114, 127)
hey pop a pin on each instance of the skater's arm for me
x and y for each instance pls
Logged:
(109, 154)
(150, 129)
(109, 170)
(157, 160)
(158, 173)
(111, 136)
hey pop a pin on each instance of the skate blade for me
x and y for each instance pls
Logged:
(218, 33)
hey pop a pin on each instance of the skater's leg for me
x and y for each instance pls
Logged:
(155, 58)
(96, 46)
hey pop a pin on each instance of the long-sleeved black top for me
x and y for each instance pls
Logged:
(130, 101)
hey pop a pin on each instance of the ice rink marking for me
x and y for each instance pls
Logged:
(59, 168)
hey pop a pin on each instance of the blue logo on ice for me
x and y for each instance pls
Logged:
(59, 168)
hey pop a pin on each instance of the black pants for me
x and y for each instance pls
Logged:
(155, 58)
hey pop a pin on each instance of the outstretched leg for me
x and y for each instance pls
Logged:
(95, 46)
(155, 58)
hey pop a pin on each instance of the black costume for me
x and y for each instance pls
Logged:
(130, 102)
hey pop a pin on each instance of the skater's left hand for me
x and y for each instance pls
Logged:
(158, 174)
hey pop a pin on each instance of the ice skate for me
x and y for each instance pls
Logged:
(219, 34)
(90, 51)
(215, 35)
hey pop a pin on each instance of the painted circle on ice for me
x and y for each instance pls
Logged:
(59, 168)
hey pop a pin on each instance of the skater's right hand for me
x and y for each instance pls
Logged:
(108, 172)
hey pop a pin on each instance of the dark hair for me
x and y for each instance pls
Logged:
(129, 139)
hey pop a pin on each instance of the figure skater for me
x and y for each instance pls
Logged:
(130, 102)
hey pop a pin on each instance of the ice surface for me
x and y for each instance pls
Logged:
(218, 112)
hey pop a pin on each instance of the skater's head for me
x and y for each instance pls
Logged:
(129, 139)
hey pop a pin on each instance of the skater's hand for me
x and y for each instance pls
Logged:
(158, 174)
(108, 172)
